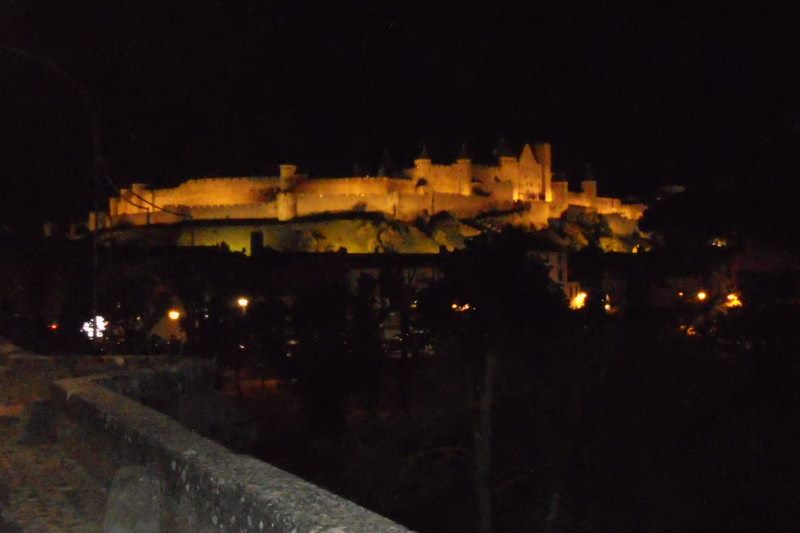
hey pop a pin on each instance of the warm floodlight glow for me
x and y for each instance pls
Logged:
(578, 301)
(732, 300)
(702, 295)
(53, 326)
(460, 308)
(95, 327)
(242, 302)
(607, 307)
(173, 314)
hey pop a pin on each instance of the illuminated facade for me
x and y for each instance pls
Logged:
(523, 183)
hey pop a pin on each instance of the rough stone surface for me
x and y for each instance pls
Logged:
(134, 501)
(44, 490)
(105, 433)
(7, 524)
(41, 488)
(38, 423)
(207, 487)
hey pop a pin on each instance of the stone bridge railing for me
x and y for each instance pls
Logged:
(164, 477)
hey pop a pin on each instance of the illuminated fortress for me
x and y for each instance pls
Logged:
(236, 207)
(461, 188)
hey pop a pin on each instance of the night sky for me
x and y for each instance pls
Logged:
(700, 94)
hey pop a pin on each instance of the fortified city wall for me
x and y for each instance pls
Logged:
(461, 188)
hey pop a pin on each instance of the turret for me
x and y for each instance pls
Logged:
(385, 166)
(589, 184)
(529, 174)
(503, 152)
(508, 162)
(463, 166)
(423, 164)
(287, 176)
(287, 206)
(589, 189)
(544, 156)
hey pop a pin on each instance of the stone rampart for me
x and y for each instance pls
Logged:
(466, 206)
(234, 211)
(188, 482)
(354, 186)
(313, 204)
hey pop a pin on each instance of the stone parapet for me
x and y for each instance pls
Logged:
(195, 483)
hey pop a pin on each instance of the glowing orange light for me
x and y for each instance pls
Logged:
(578, 301)
(607, 307)
(732, 300)
(173, 314)
(691, 331)
(53, 326)
(702, 295)
(242, 302)
(680, 294)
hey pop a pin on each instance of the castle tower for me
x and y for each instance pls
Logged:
(287, 206)
(385, 167)
(286, 179)
(530, 180)
(423, 165)
(544, 156)
(463, 169)
(509, 166)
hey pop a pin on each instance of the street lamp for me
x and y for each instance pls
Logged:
(173, 314)
(243, 302)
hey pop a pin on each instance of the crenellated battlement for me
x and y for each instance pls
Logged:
(462, 188)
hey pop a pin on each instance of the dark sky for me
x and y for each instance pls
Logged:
(696, 93)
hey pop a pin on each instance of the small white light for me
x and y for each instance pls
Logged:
(95, 327)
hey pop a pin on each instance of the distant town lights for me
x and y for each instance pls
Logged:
(95, 327)
(702, 295)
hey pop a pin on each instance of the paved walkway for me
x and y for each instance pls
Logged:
(41, 489)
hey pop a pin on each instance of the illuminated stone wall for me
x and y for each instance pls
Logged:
(461, 188)
(354, 235)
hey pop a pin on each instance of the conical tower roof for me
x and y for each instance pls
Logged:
(502, 149)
